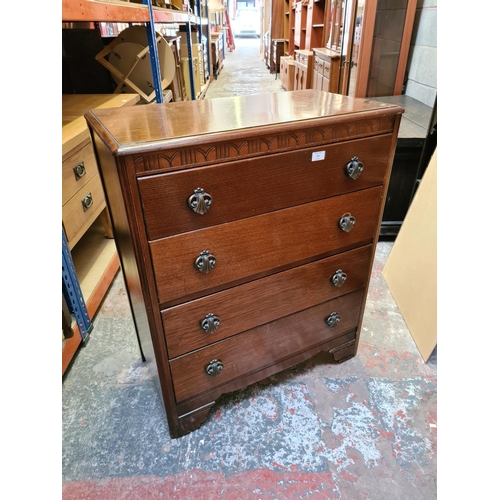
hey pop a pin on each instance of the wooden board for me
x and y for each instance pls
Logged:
(74, 127)
(411, 267)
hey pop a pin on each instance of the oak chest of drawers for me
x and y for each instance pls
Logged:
(247, 236)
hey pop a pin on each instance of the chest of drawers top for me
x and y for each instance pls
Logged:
(324, 118)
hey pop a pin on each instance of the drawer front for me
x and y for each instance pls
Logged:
(318, 65)
(242, 189)
(75, 219)
(189, 326)
(256, 246)
(263, 346)
(326, 69)
(77, 170)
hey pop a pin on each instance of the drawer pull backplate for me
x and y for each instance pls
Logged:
(347, 222)
(79, 170)
(338, 279)
(199, 201)
(332, 320)
(354, 168)
(205, 262)
(214, 368)
(210, 323)
(87, 202)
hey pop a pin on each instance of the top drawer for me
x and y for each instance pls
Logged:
(246, 188)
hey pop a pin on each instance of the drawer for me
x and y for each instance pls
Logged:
(84, 164)
(318, 65)
(242, 189)
(326, 69)
(261, 301)
(257, 246)
(75, 219)
(266, 345)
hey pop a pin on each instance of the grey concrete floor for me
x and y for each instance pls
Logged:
(244, 72)
(364, 429)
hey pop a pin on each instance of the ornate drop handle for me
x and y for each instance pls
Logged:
(354, 168)
(205, 262)
(332, 320)
(210, 323)
(346, 223)
(199, 202)
(338, 279)
(214, 368)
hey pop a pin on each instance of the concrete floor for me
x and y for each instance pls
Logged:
(364, 429)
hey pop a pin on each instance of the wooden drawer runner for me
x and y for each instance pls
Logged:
(261, 301)
(241, 189)
(75, 219)
(265, 345)
(261, 245)
(84, 161)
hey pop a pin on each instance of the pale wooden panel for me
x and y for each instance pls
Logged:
(74, 106)
(411, 267)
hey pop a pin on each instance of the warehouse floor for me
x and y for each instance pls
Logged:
(364, 429)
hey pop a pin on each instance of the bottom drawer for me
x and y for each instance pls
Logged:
(82, 209)
(263, 346)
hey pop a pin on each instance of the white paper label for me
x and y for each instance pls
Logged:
(318, 155)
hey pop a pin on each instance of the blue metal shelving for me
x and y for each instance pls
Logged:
(73, 293)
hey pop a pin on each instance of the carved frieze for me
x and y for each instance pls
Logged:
(242, 148)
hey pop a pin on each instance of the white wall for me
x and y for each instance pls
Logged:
(422, 59)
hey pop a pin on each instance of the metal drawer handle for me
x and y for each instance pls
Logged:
(205, 262)
(79, 170)
(354, 168)
(200, 201)
(338, 279)
(214, 368)
(210, 323)
(333, 320)
(87, 202)
(346, 223)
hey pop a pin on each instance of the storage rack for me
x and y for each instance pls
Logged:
(120, 11)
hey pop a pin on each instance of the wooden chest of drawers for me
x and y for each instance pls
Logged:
(246, 242)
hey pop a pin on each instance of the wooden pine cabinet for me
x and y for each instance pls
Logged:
(85, 218)
(287, 72)
(326, 67)
(303, 69)
(246, 243)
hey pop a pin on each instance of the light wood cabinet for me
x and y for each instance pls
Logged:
(85, 219)
(303, 69)
(326, 67)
